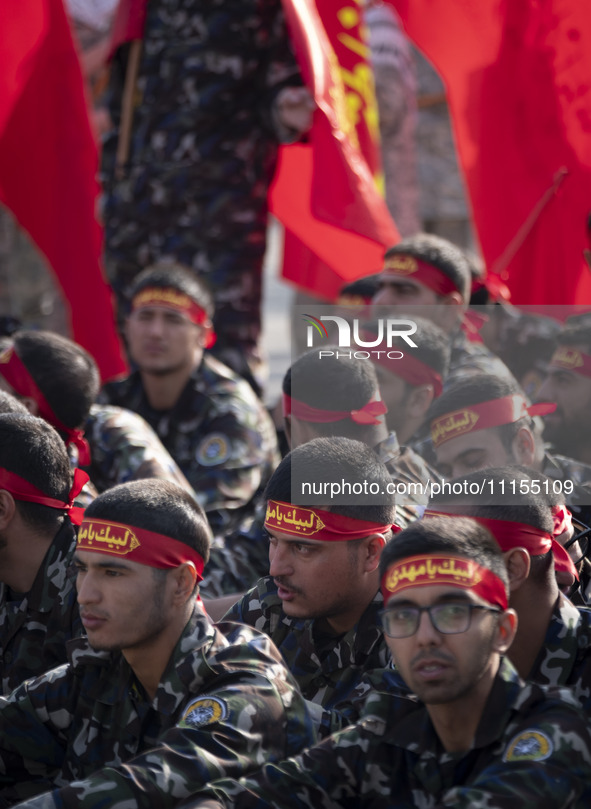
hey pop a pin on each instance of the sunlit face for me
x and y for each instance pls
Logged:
(123, 605)
(442, 668)
(467, 453)
(401, 292)
(317, 579)
(568, 427)
(394, 393)
(163, 341)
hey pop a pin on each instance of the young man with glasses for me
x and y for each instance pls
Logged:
(472, 734)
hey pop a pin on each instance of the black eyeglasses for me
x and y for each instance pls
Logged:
(449, 619)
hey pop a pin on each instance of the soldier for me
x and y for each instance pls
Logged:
(209, 419)
(156, 701)
(58, 381)
(568, 383)
(429, 275)
(213, 93)
(473, 736)
(553, 641)
(38, 611)
(320, 601)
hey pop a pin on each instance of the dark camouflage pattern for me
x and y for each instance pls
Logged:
(34, 628)
(326, 668)
(559, 467)
(219, 434)
(468, 359)
(123, 447)
(90, 722)
(532, 750)
(203, 151)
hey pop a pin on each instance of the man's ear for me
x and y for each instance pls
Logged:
(374, 545)
(7, 508)
(184, 580)
(419, 400)
(524, 447)
(30, 404)
(506, 629)
(518, 563)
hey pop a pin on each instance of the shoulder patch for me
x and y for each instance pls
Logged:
(204, 711)
(213, 450)
(529, 745)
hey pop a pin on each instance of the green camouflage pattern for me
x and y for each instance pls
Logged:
(226, 704)
(34, 629)
(532, 750)
(219, 433)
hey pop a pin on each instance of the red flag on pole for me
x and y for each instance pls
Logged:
(518, 77)
(48, 165)
(337, 224)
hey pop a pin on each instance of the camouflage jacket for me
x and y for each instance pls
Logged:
(532, 750)
(239, 559)
(124, 447)
(219, 434)
(326, 668)
(224, 706)
(566, 470)
(565, 657)
(34, 630)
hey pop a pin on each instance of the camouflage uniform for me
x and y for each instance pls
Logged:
(532, 750)
(326, 668)
(468, 359)
(124, 447)
(219, 434)
(34, 630)
(224, 706)
(203, 151)
(559, 467)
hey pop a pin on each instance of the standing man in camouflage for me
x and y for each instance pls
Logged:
(207, 417)
(156, 701)
(473, 736)
(38, 610)
(186, 170)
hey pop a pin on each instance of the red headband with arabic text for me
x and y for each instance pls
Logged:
(439, 570)
(136, 545)
(571, 359)
(14, 371)
(319, 524)
(509, 535)
(170, 298)
(368, 414)
(404, 266)
(407, 367)
(493, 413)
(21, 489)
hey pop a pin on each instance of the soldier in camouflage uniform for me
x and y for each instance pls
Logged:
(38, 611)
(474, 736)
(214, 94)
(430, 276)
(320, 601)
(209, 419)
(156, 701)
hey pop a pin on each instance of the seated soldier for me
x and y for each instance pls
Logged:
(473, 734)
(320, 601)
(207, 417)
(58, 380)
(156, 701)
(38, 611)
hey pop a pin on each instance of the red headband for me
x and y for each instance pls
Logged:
(510, 535)
(18, 377)
(406, 366)
(319, 524)
(368, 414)
(570, 359)
(452, 571)
(170, 298)
(494, 413)
(21, 489)
(404, 266)
(136, 545)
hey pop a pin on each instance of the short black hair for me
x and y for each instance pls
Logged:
(64, 372)
(440, 253)
(459, 536)
(32, 449)
(10, 404)
(576, 335)
(360, 291)
(177, 276)
(323, 461)
(433, 344)
(156, 505)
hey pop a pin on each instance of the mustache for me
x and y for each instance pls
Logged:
(281, 581)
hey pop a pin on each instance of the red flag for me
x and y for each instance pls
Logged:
(518, 77)
(337, 224)
(48, 164)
